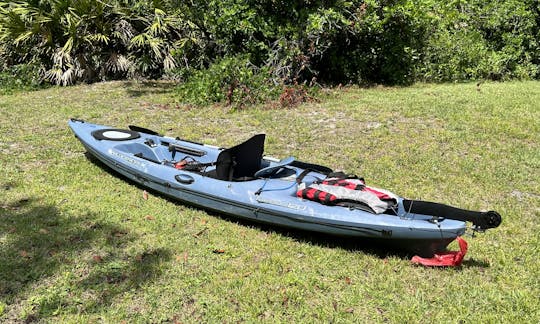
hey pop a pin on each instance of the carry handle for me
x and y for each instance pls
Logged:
(184, 178)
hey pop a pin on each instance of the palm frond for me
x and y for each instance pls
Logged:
(66, 70)
(68, 46)
(156, 45)
(98, 37)
(118, 63)
(169, 62)
(23, 37)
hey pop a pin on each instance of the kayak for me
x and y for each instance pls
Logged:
(242, 182)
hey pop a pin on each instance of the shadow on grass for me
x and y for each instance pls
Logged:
(142, 88)
(470, 263)
(50, 261)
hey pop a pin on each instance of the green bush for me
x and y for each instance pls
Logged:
(21, 77)
(233, 80)
(478, 39)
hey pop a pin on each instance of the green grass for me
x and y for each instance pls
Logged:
(79, 244)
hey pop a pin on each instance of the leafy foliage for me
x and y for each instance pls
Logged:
(89, 40)
(233, 80)
(283, 42)
(19, 78)
(482, 40)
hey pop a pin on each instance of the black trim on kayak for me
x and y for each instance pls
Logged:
(143, 130)
(314, 167)
(184, 178)
(151, 132)
(141, 156)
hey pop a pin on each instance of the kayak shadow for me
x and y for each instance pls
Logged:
(376, 248)
(473, 263)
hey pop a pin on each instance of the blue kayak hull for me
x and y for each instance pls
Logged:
(142, 159)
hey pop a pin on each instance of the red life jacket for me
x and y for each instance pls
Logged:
(356, 184)
(323, 197)
(338, 191)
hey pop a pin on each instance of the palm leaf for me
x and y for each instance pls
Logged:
(101, 38)
(23, 37)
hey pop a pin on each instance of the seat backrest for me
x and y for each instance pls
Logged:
(242, 160)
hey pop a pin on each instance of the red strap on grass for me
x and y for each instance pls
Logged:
(445, 259)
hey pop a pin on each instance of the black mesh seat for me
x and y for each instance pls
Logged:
(241, 161)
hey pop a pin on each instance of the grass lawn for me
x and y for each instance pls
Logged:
(79, 244)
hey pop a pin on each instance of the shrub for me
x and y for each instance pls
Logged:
(233, 80)
(293, 95)
(350, 41)
(20, 77)
(478, 39)
(89, 40)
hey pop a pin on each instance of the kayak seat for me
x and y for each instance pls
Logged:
(240, 162)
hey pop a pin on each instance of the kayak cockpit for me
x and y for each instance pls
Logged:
(242, 162)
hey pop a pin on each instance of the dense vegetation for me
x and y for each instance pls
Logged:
(242, 43)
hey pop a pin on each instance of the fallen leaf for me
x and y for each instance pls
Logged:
(348, 280)
(204, 221)
(182, 258)
(145, 195)
(349, 310)
(97, 258)
(218, 251)
(200, 232)
(266, 314)
(148, 217)
(119, 234)
(43, 231)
